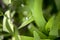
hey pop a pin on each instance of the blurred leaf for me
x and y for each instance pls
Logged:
(38, 14)
(36, 36)
(12, 14)
(36, 8)
(16, 34)
(26, 22)
(49, 23)
(32, 28)
(7, 24)
(6, 34)
(1, 37)
(26, 38)
(32, 15)
(7, 1)
(8, 27)
(56, 26)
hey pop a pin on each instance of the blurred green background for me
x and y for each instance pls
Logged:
(29, 19)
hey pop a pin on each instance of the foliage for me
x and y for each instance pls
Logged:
(29, 20)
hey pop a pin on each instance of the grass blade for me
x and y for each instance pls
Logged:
(26, 22)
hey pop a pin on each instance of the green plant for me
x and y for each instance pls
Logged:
(29, 20)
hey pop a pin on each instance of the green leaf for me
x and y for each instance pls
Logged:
(32, 28)
(26, 38)
(1, 37)
(8, 27)
(26, 22)
(7, 1)
(7, 23)
(12, 14)
(49, 23)
(16, 34)
(38, 14)
(36, 36)
(56, 26)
